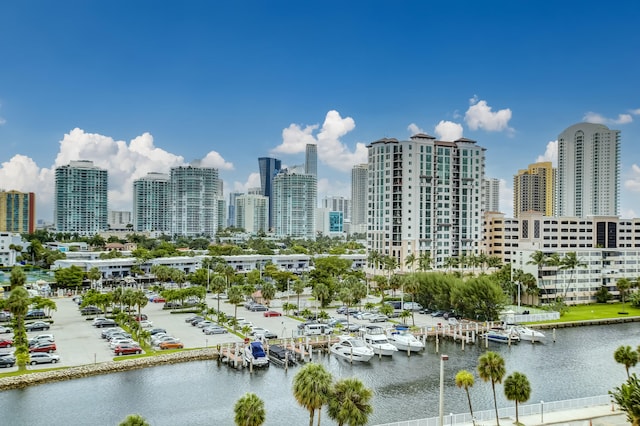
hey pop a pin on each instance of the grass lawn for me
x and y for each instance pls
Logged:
(598, 311)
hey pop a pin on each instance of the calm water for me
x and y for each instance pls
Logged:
(579, 364)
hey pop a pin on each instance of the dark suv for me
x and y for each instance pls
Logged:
(91, 310)
(35, 314)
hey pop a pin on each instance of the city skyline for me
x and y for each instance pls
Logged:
(222, 85)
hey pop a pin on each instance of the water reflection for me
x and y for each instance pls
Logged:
(579, 364)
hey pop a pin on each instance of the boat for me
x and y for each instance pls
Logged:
(401, 338)
(502, 335)
(254, 354)
(281, 356)
(352, 349)
(374, 337)
(528, 334)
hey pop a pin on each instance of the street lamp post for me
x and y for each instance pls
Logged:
(443, 358)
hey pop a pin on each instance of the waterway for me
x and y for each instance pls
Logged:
(579, 364)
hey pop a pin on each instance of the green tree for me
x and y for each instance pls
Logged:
(235, 298)
(311, 388)
(623, 285)
(134, 420)
(18, 305)
(217, 286)
(491, 369)
(69, 277)
(322, 293)
(17, 278)
(249, 410)
(570, 262)
(517, 388)
(350, 402)
(94, 275)
(410, 260)
(298, 288)
(268, 292)
(465, 380)
(626, 356)
(627, 396)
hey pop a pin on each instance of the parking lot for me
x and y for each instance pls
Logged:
(79, 343)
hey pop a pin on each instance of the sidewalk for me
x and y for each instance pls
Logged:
(600, 415)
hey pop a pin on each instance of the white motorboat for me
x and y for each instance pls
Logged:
(374, 337)
(401, 338)
(528, 334)
(352, 349)
(502, 335)
(254, 354)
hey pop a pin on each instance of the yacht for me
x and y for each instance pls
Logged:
(352, 349)
(254, 354)
(502, 335)
(401, 338)
(528, 334)
(374, 337)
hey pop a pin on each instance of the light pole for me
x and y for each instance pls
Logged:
(541, 411)
(443, 358)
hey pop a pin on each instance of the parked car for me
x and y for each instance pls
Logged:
(141, 317)
(378, 318)
(6, 343)
(37, 326)
(43, 347)
(146, 324)
(5, 316)
(105, 323)
(272, 314)
(171, 344)
(155, 331)
(35, 314)
(127, 349)
(158, 299)
(172, 305)
(45, 338)
(260, 333)
(214, 329)
(258, 308)
(7, 361)
(91, 310)
(437, 314)
(43, 358)
(4, 329)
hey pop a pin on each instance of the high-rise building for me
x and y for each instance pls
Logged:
(81, 198)
(294, 203)
(152, 203)
(425, 198)
(588, 179)
(338, 204)
(119, 219)
(194, 201)
(534, 189)
(359, 182)
(269, 167)
(491, 195)
(231, 221)
(17, 211)
(252, 213)
(311, 159)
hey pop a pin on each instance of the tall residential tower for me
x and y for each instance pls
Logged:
(194, 201)
(17, 212)
(359, 182)
(294, 203)
(269, 167)
(534, 189)
(152, 203)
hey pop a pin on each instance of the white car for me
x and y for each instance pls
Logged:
(48, 337)
(117, 342)
(4, 329)
(146, 324)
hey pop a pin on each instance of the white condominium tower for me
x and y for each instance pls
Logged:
(588, 177)
(311, 159)
(252, 213)
(491, 195)
(152, 203)
(194, 201)
(425, 197)
(81, 198)
(294, 203)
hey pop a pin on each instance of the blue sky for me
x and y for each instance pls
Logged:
(146, 85)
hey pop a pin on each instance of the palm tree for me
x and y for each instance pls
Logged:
(349, 402)
(321, 292)
(424, 261)
(491, 369)
(268, 292)
(517, 388)
(410, 260)
(627, 396)
(18, 305)
(623, 285)
(235, 297)
(134, 420)
(249, 410)
(570, 262)
(17, 277)
(94, 275)
(465, 380)
(626, 356)
(311, 388)
(217, 285)
(298, 288)
(411, 286)
(140, 300)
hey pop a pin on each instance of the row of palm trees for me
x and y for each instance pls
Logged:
(424, 261)
(569, 262)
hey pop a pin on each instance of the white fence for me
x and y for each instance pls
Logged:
(523, 410)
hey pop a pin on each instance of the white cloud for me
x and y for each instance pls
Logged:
(480, 116)
(215, 160)
(550, 154)
(333, 188)
(331, 150)
(448, 130)
(2, 121)
(628, 214)
(253, 181)
(414, 129)
(124, 161)
(506, 198)
(594, 117)
(633, 182)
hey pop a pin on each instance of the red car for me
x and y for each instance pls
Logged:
(272, 314)
(127, 349)
(43, 347)
(158, 299)
(6, 343)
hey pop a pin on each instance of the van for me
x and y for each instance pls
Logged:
(317, 329)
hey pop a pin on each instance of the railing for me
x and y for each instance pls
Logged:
(523, 410)
(547, 316)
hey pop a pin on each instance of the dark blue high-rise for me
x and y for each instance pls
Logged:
(269, 167)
